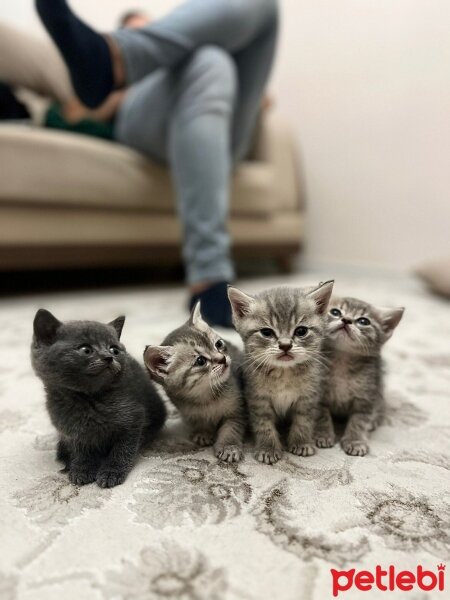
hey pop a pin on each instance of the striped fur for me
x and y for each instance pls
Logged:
(356, 333)
(207, 395)
(283, 370)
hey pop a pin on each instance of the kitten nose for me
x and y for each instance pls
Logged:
(347, 321)
(222, 360)
(108, 358)
(285, 345)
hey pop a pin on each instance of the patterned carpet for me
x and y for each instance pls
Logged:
(184, 526)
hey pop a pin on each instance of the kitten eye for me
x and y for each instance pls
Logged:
(220, 345)
(301, 331)
(200, 361)
(87, 350)
(363, 321)
(266, 332)
(335, 312)
(114, 350)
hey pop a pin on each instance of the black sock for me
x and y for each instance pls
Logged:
(215, 306)
(85, 52)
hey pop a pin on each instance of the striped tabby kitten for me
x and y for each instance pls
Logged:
(199, 373)
(283, 331)
(354, 389)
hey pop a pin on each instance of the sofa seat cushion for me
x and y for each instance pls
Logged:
(51, 167)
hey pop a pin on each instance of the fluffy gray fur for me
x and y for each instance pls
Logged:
(101, 401)
(283, 331)
(356, 333)
(200, 374)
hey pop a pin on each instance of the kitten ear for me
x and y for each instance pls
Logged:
(389, 319)
(196, 319)
(241, 304)
(157, 360)
(45, 326)
(118, 325)
(322, 295)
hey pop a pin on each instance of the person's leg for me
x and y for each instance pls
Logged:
(199, 152)
(96, 62)
(254, 64)
(142, 121)
(230, 24)
(203, 184)
(183, 116)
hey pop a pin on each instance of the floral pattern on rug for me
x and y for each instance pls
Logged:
(53, 501)
(275, 517)
(190, 491)
(324, 478)
(409, 521)
(168, 572)
(185, 526)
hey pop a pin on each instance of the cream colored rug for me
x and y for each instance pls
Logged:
(185, 526)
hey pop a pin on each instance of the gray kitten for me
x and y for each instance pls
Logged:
(283, 331)
(200, 374)
(100, 400)
(354, 389)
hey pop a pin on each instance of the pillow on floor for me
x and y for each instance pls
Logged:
(436, 274)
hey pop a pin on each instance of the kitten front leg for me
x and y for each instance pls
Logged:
(301, 433)
(63, 454)
(379, 414)
(203, 438)
(120, 461)
(324, 430)
(268, 444)
(228, 446)
(83, 467)
(360, 422)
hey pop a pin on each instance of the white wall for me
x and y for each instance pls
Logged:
(366, 86)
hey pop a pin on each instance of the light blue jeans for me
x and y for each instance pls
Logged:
(197, 78)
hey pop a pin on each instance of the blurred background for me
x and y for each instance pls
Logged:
(348, 178)
(362, 90)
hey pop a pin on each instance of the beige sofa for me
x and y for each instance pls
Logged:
(72, 201)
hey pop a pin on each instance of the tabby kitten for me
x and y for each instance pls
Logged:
(283, 331)
(354, 388)
(200, 374)
(100, 400)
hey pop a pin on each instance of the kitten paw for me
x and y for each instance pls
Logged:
(302, 449)
(230, 453)
(325, 442)
(355, 448)
(268, 457)
(109, 479)
(203, 439)
(81, 476)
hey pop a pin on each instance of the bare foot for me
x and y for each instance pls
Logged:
(117, 61)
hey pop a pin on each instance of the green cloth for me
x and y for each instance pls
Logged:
(55, 120)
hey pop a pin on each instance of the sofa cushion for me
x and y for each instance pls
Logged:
(29, 62)
(50, 167)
